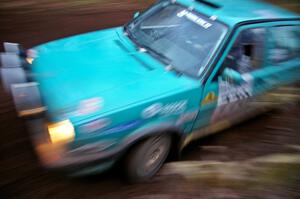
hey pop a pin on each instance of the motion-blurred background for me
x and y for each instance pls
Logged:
(31, 22)
(231, 165)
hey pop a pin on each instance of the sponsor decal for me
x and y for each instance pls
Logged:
(194, 18)
(90, 106)
(232, 99)
(124, 126)
(210, 98)
(93, 147)
(159, 109)
(229, 93)
(94, 125)
(152, 110)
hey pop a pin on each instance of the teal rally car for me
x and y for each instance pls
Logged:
(178, 71)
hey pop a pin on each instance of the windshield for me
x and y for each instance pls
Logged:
(181, 38)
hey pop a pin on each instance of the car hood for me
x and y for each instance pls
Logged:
(98, 72)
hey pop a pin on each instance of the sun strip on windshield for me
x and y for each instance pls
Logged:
(194, 18)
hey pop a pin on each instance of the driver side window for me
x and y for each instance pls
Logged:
(247, 52)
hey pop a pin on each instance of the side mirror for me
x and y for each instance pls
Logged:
(233, 76)
(136, 15)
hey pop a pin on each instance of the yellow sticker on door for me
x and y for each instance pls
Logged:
(210, 98)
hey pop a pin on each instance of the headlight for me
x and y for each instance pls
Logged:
(61, 132)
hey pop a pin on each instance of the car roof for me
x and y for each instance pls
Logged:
(233, 12)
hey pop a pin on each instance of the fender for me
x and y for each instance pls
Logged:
(155, 128)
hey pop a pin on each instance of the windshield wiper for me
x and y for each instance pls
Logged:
(144, 48)
(166, 60)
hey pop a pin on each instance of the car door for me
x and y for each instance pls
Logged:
(283, 60)
(226, 102)
(281, 64)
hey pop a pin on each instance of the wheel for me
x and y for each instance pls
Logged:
(146, 158)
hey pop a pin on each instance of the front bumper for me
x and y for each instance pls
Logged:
(81, 160)
(19, 82)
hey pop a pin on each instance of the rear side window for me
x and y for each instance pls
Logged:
(285, 44)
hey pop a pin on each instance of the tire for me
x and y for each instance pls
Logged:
(146, 158)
